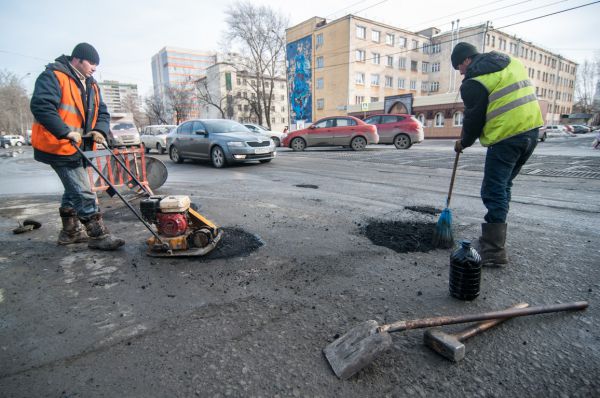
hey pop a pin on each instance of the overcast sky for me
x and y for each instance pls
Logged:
(127, 33)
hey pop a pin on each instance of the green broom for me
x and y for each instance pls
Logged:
(442, 234)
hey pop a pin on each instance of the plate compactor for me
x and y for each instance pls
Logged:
(182, 231)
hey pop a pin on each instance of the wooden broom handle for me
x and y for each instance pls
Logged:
(452, 179)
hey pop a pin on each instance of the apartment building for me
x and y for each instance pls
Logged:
(350, 65)
(180, 68)
(232, 89)
(119, 97)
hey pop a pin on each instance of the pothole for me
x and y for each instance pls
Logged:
(235, 243)
(401, 236)
(425, 210)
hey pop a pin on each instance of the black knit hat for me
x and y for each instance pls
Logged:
(461, 52)
(87, 52)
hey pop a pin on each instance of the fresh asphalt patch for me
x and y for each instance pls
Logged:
(401, 236)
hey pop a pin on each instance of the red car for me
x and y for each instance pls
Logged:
(399, 129)
(344, 131)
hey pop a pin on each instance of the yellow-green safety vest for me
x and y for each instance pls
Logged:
(513, 107)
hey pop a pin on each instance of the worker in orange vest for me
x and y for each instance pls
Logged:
(68, 110)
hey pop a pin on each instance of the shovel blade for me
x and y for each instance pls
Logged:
(356, 349)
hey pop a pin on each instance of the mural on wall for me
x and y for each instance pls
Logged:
(299, 75)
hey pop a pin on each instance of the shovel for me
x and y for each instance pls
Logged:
(359, 346)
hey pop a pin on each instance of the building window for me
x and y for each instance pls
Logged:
(457, 119)
(239, 81)
(434, 86)
(390, 61)
(376, 57)
(401, 63)
(435, 67)
(361, 55)
(283, 120)
(319, 83)
(320, 62)
(424, 87)
(402, 42)
(414, 65)
(401, 83)
(374, 80)
(319, 40)
(425, 67)
(375, 36)
(360, 78)
(436, 48)
(421, 118)
(359, 99)
(439, 119)
(320, 103)
(389, 81)
(389, 39)
(374, 99)
(413, 84)
(361, 32)
(415, 45)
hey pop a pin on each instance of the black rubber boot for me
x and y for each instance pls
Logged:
(100, 238)
(492, 245)
(72, 231)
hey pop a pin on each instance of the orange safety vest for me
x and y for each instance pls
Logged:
(71, 111)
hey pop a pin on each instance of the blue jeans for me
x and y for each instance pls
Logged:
(503, 162)
(78, 192)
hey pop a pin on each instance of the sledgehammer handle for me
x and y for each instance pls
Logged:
(483, 326)
(449, 320)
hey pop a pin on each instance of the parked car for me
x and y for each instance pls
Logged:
(580, 129)
(555, 130)
(346, 131)
(220, 141)
(258, 129)
(11, 140)
(402, 130)
(123, 134)
(155, 137)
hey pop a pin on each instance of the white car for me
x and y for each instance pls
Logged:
(11, 140)
(155, 137)
(258, 129)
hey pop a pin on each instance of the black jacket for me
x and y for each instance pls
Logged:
(44, 107)
(475, 95)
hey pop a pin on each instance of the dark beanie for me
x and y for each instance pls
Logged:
(87, 52)
(461, 52)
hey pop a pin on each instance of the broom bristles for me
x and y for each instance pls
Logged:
(442, 234)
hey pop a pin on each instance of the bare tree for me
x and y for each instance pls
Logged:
(260, 32)
(206, 97)
(587, 81)
(180, 101)
(156, 110)
(131, 105)
(15, 116)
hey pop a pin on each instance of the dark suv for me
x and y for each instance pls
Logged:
(402, 130)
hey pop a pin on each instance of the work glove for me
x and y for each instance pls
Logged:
(97, 137)
(74, 136)
(458, 146)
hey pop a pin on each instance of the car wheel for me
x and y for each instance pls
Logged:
(160, 149)
(217, 157)
(276, 141)
(265, 160)
(402, 141)
(298, 144)
(5, 146)
(174, 155)
(358, 143)
(147, 149)
(19, 143)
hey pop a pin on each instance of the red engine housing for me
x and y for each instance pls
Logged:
(171, 224)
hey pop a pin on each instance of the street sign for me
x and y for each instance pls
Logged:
(364, 106)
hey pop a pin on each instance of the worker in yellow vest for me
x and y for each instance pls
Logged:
(69, 110)
(502, 111)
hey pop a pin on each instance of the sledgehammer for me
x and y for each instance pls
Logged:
(451, 346)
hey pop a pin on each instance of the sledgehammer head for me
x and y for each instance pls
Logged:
(444, 344)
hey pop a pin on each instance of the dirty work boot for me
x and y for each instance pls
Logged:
(492, 244)
(100, 238)
(72, 231)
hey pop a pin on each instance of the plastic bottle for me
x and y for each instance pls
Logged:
(465, 272)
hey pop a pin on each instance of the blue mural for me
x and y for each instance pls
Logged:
(299, 75)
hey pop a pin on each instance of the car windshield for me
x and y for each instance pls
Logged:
(263, 127)
(223, 126)
(163, 129)
(123, 126)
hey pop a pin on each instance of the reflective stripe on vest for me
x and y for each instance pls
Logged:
(71, 111)
(512, 104)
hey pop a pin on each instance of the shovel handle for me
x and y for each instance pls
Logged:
(509, 313)
(452, 179)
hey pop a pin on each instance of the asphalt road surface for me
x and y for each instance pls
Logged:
(295, 272)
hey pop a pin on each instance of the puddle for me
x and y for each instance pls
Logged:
(307, 186)
(401, 236)
(425, 210)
